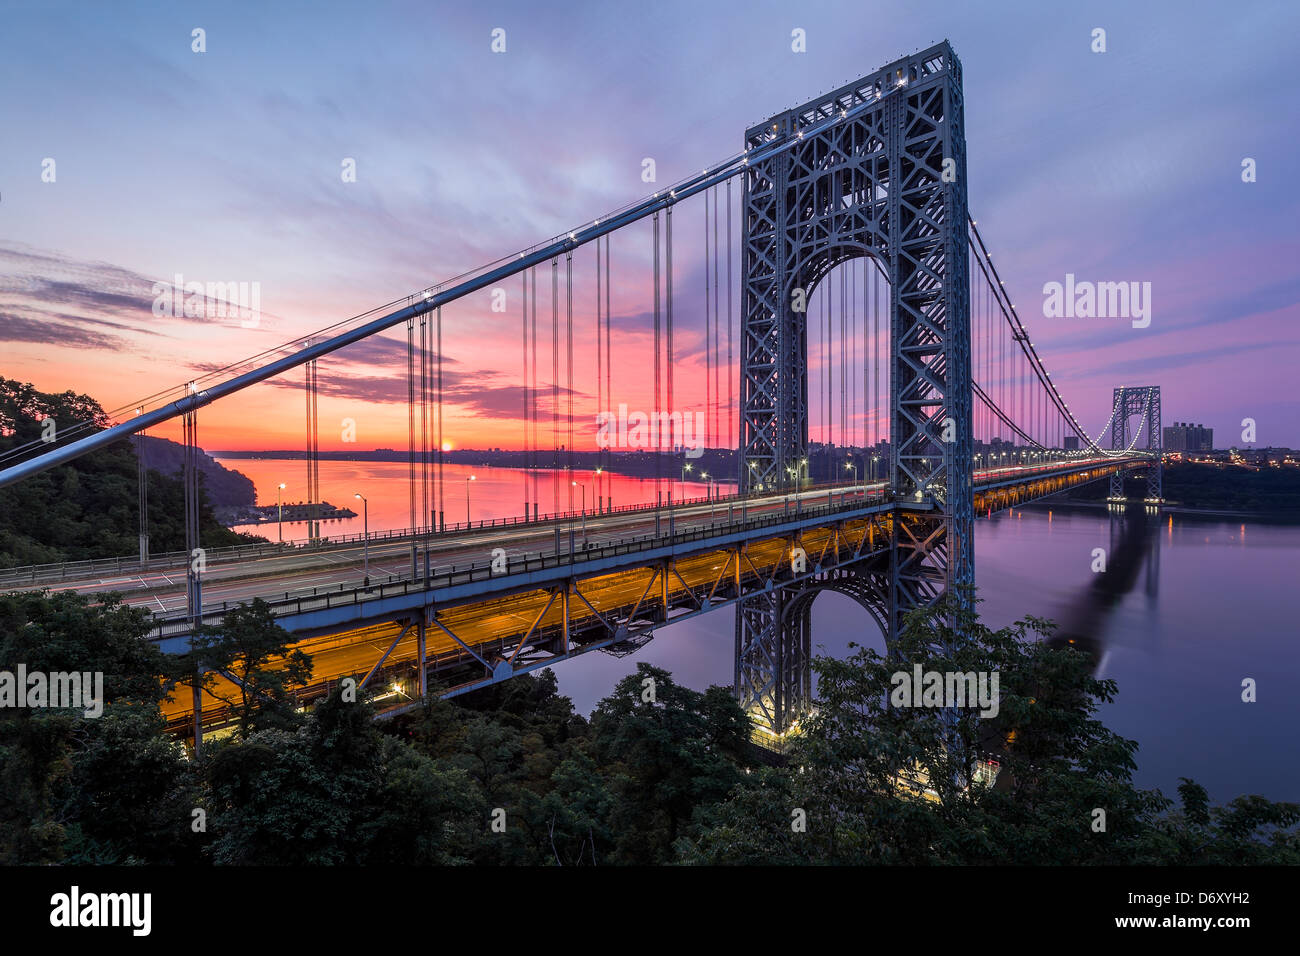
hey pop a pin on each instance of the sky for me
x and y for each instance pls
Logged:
(227, 165)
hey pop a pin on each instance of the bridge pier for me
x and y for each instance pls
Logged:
(773, 661)
(773, 666)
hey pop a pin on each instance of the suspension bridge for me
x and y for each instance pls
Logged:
(879, 393)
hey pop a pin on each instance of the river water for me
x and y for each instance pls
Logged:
(1195, 605)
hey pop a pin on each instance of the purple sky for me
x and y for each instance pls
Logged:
(1123, 165)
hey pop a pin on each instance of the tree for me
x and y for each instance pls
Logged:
(88, 508)
(106, 788)
(255, 657)
(665, 755)
(881, 783)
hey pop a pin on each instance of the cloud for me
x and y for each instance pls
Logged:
(16, 328)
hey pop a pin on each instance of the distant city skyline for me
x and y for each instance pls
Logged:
(225, 166)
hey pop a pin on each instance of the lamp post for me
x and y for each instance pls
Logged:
(598, 502)
(365, 511)
(467, 481)
(279, 506)
(873, 466)
(579, 484)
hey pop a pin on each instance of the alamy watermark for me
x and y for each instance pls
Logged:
(945, 689)
(58, 690)
(74, 909)
(1099, 300)
(666, 431)
(209, 300)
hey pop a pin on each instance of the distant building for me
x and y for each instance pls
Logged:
(1072, 442)
(1186, 437)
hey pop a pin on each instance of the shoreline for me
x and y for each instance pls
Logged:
(1275, 517)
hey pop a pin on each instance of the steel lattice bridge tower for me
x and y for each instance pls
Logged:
(874, 171)
(888, 183)
(1143, 401)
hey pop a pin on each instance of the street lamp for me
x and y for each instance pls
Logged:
(579, 484)
(598, 471)
(279, 506)
(467, 481)
(365, 511)
(874, 459)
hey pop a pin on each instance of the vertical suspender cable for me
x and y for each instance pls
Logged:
(844, 356)
(708, 355)
(568, 322)
(853, 334)
(876, 277)
(532, 397)
(524, 325)
(828, 354)
(601, 406)
(733, 433)
(668, 322)
(555, 384)
(306, 394)
(142, 490)
(656, 438)
(410, 434)
(422, 398)
(717, 316)
(668, 313)
(867, 408)
(609, 363)
(439, 487)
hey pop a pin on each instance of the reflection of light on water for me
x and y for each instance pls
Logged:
(1101, 665)
(498, 492)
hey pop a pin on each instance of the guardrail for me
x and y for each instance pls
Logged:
(62, 571)
(178, 624)
(53, 573)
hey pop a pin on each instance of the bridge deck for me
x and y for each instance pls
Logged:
(547, 606)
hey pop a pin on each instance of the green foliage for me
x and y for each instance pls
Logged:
(886, 784)
(111, 789)
(655, 777)
(1234, 488)
(665, 759)
(88, 508)
(255, 655)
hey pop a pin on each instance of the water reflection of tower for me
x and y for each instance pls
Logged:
(1133, 546)
(1153, 555)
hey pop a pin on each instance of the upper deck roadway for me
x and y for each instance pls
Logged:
(481, 623)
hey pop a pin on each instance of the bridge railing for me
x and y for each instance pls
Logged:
(324, 599)
(63, 570)
(39, 574)
(36, 575)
